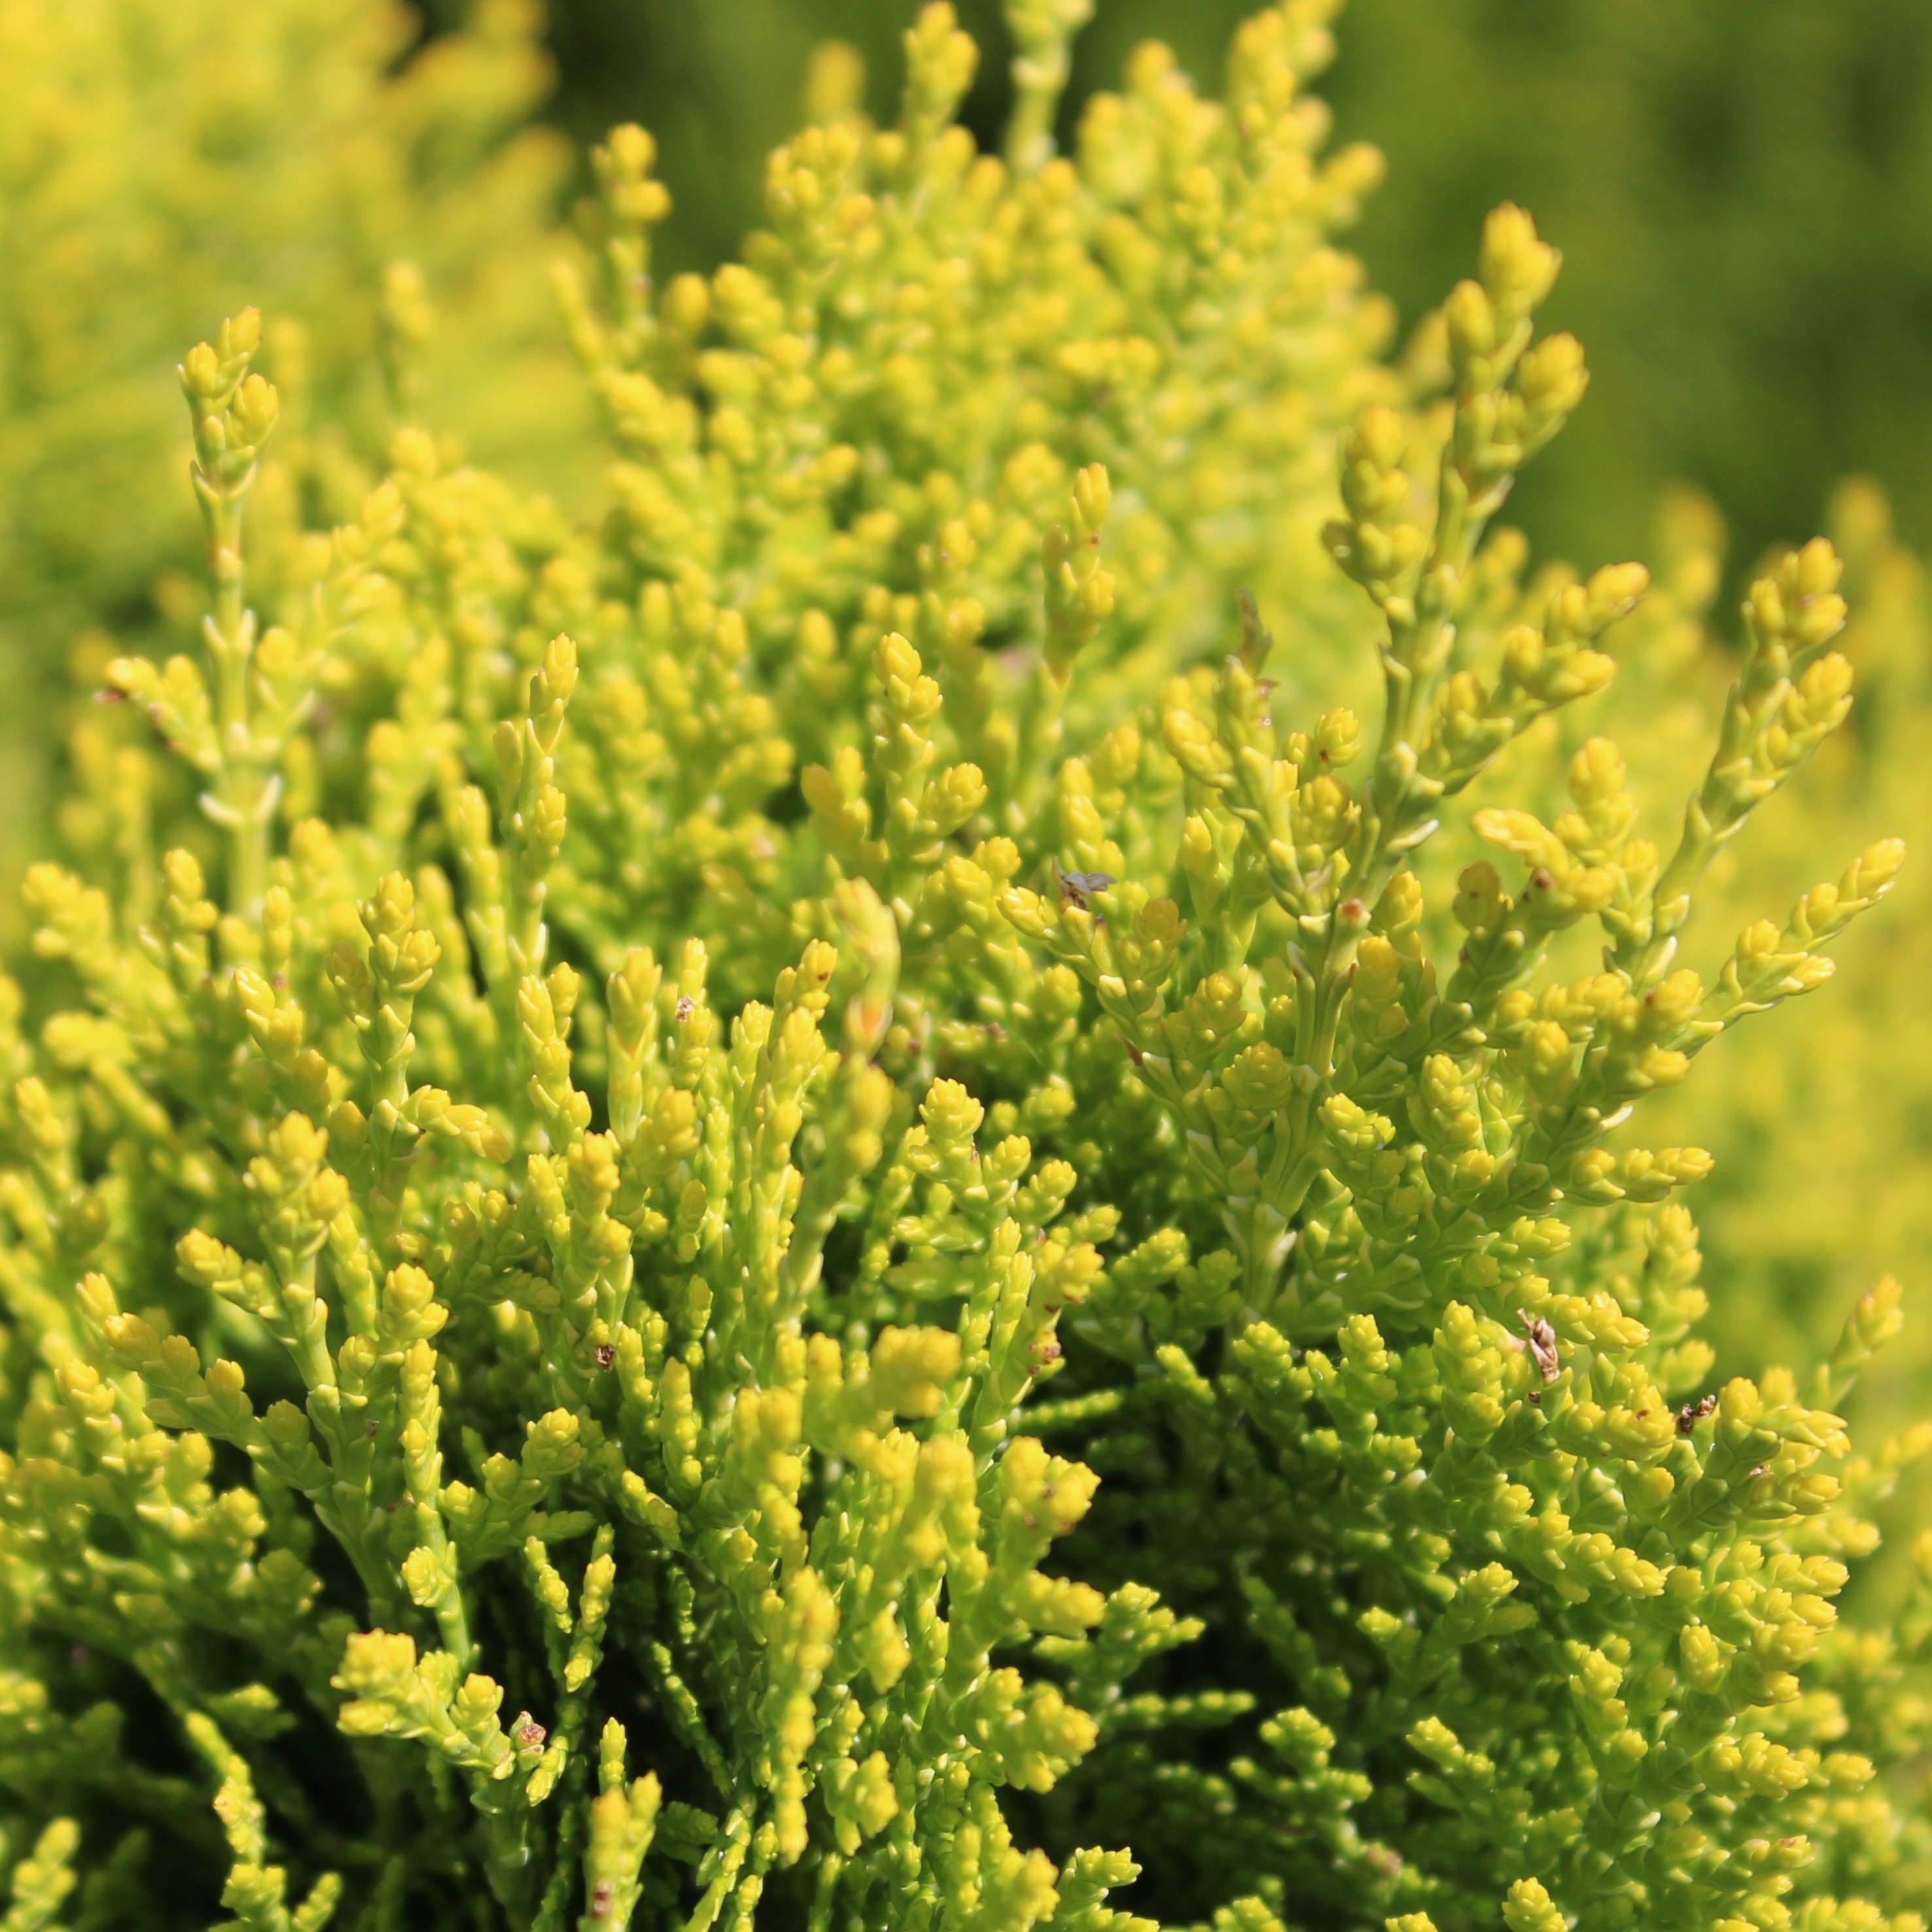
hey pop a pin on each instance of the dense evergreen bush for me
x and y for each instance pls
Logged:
(896, 1191)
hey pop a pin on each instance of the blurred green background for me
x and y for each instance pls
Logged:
(1743, 189)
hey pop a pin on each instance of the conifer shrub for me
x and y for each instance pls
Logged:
(846, 1203)
(159, 159)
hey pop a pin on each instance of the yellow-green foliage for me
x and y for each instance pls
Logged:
(1824, 1128)
(1843, 1100)
(1824, 1179)
(161, 161)
(580, 1081)
(1768, 154)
